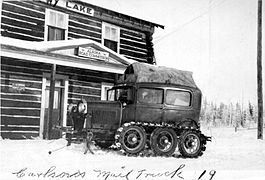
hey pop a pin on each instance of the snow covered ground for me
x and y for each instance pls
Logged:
(229, 156)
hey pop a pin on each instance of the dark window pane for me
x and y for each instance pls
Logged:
(113, 45)
(55, 34)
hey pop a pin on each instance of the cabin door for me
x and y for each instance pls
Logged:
(59, 106)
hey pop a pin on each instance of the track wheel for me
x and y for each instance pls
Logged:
(190, 144)
(163, 141)
(133, 139)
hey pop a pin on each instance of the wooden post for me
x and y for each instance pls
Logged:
(51, 101)
(259, 71)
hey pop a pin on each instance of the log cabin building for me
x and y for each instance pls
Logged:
(63, 49)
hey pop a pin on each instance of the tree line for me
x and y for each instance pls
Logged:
(228, 115)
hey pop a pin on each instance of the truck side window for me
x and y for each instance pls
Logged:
(111, 95)
(178, 98)
(125, 95)
(150, 96)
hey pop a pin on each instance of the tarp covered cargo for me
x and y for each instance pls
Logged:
(142, 72)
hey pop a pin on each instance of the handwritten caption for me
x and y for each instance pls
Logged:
(122, 174)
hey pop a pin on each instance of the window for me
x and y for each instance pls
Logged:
(178, 98)
(111, 36)
(104, 88)
(56, 25)
(150, 96)
(122, 94)
(55, 34)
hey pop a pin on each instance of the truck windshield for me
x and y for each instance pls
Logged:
(123, 94)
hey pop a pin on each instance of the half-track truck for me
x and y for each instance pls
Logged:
(151, 108)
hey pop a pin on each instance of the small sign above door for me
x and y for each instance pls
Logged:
(92, 53)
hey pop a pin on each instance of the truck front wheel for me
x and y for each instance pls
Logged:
(132, 139)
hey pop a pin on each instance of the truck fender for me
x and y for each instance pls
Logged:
(188, 123)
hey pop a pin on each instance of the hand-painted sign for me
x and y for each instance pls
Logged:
(18, 86)
(73, 6)
(79, 8)
(92, 53)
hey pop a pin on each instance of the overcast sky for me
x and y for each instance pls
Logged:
(215, 39)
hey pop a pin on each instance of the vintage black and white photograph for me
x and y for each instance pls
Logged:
(132, 90)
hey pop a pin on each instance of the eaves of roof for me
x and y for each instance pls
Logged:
(59, 59)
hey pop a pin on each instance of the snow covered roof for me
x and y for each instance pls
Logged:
(56, 46)
(63, 53)
(142, 72)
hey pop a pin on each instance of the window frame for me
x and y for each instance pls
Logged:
(48, 24)
(179, 90)
(104, 92)
(158, 89)
(103, 36)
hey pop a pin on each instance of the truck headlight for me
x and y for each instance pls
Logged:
(82, 107)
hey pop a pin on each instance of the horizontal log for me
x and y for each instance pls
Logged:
(21, 135)
(22, 24)
(85, 27)
(20, 121)
(26, 64)
(131, 43)
(18, 15)
(84, 75)
(29, 5)
(125, 36)
(21, 69)
(74, 100)
(83, 32)
(72, 35)
(133, 54)
(29, 85)
(91, 85)
(9, 103)
(79, 95)
(19, 36)
(77, 71)
(89, 20)
(23, 112)
(83, 91)
(133, 49)
(136, 59)
(5, 75)
(16, 90)
(135, 34)
(19, 128)
(15, 96)
(36, 33)
(19, 8)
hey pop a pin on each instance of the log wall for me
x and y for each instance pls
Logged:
(26, 20)
(21, 93)
(21, 86)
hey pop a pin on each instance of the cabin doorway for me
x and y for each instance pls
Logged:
(59, 106)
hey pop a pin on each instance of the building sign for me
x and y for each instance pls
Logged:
(79, 8)
(92, 53)
(73, 6)
(18, 87)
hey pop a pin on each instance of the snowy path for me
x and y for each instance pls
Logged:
(230, 156)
